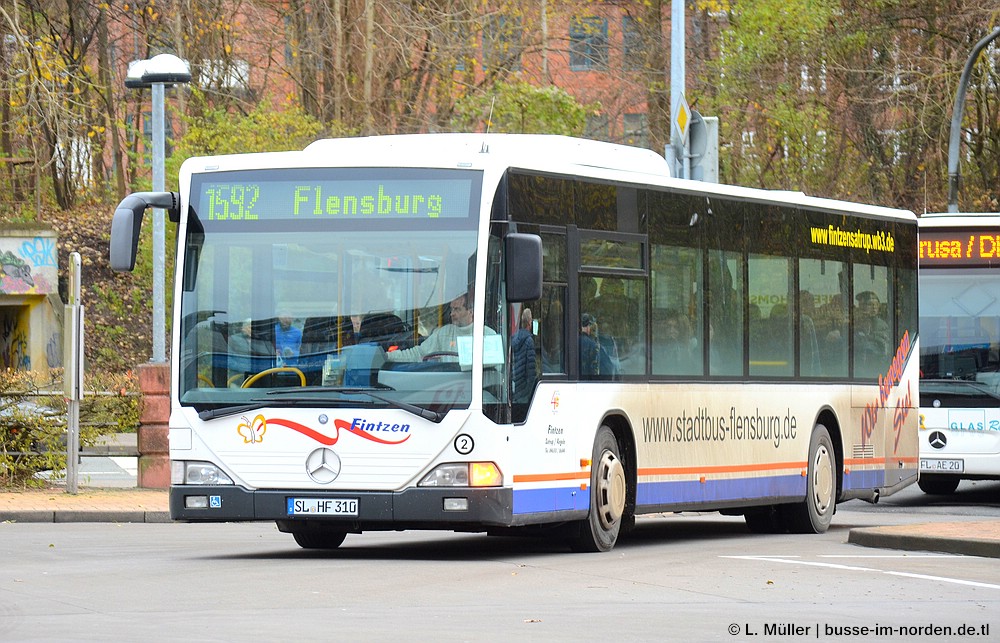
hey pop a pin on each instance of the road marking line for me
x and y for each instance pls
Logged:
(898, 556)
(788, 561)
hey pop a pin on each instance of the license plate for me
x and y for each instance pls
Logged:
(942, 466)
(322, 506)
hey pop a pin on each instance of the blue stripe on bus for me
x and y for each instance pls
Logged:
(656, 493)
(710, 491)
(528, 501)
(688, 491)
(864, 479)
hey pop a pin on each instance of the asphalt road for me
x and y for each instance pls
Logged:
(688, 577)
(975, 498)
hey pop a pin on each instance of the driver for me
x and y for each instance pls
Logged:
(444, 340)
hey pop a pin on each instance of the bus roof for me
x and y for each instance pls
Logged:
(554, 154)
(958, 219)
(514, 150)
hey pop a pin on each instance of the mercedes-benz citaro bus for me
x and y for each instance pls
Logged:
(960, 349)
(352, 348)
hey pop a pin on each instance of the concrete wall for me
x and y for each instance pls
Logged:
(30, 306)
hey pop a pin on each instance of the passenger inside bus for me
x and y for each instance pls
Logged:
(809, 343)
(871, 333)
(589, 360)
(242, 347)
(523, 357)
(287, 339)
(674, 345)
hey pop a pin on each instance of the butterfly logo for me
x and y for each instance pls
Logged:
(252, 431)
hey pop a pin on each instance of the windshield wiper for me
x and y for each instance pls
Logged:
(419, 411)
(222, 411)
(955, 383)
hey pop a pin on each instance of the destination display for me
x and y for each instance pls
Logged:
(301, 198)
(980, 247)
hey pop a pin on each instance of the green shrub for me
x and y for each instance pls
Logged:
(33, 419)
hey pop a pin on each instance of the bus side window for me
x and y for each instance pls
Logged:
(550, 314)
(726, 292)
(870, 326)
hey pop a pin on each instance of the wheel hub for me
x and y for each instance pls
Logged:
(610, 490)
(823, 480)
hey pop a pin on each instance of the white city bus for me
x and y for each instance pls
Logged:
(346, 356)
(959, 349)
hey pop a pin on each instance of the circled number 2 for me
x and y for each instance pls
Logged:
(464, 444)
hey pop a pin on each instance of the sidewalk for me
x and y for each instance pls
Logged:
(979, 538)
(89, 505)
(973, 538)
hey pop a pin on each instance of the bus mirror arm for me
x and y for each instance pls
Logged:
(127, 221)
(524, 267)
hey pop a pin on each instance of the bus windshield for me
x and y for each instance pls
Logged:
(960, 334)
(315, 285)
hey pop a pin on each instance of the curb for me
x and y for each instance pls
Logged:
(63, 516)
(895, 538)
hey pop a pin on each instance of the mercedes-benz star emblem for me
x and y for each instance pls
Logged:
(937, 440)
(323, 465)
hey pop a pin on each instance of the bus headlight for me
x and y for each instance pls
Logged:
(203, 473)
(463, 474)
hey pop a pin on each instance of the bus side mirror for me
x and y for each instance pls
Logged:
(127, 221)
(524, 267)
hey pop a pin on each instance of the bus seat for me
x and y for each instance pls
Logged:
(385, 329)
(361, 364)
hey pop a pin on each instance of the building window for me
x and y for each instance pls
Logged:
(633, 54)
(502, 43)
(588, 43)
(465, 49)
(232, 76)
(597, 127)
(636, 130)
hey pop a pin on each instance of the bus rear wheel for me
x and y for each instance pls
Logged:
(769, 519)
(319, 538)
(608, 485)
(814, 514)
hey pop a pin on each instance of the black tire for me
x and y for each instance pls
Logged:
(319, 538)
(608, 493)
(938, 485)
(765, 520)
(814, 514)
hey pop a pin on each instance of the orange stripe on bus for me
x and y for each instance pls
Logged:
(891, 459)
(546, 477)
(735, 468)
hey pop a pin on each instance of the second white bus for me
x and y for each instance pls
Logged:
(959, 350)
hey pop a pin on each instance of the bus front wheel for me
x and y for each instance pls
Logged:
(935, 485)
(319, 538)
(599, 531)
(814, 514)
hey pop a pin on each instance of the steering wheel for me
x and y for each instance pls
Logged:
(268, 371)
(437, 355)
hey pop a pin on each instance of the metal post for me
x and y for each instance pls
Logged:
(955, 140)
(73, 372)
(159, 232)
(677, 82)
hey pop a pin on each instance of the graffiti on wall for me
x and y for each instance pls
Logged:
(14, 351)
(28, 277)
(28, 266)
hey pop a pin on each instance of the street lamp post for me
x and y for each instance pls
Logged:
(156, 73)
(955, 137)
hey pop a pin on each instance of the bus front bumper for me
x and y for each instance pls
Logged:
(427, 507)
